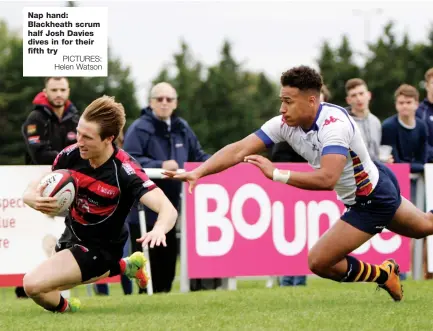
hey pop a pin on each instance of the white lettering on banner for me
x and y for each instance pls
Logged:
(307, 218)
(383, 246)
(284, 247)
(217, 218)
(251, 231)
(315, 210)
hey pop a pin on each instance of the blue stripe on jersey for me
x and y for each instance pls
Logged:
(264, 137)
(314, 126)
(335, 149)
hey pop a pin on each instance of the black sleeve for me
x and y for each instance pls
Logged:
(134, 179)
(62, 159)
(37, 140)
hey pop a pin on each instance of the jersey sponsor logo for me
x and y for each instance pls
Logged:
(128, 168)
(331, 119)
(85, 206)
(31, 128)
(107, 191)
(69, 149)
(94, 202)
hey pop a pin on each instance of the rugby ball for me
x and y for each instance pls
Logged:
(60, 184)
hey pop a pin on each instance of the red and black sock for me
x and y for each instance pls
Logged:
(61, 307)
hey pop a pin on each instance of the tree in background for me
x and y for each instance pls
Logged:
(389, 63)
(223, 102)
(337, 66)
(13, 90)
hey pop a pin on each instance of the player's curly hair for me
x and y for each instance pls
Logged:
(302, 77)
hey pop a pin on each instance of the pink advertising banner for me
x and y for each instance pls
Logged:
(239, 223)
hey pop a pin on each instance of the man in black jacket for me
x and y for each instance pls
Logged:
(51, 125)
(49, 128)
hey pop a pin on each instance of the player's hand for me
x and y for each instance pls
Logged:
(262, 163)
(154, 237)
(189, 177)
(34, 199)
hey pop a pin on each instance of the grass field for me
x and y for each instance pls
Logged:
(321, 305)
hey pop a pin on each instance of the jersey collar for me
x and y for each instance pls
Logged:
(314, 126)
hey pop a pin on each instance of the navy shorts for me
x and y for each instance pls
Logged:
(374, 212)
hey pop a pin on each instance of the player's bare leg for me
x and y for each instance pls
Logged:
(411, 222)
(329, 259)
(42, 284)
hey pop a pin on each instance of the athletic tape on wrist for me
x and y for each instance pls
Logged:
(277, 176)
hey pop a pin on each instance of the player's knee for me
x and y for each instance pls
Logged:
(31, 285)
(316, 263)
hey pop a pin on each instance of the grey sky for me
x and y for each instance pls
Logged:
(266, 36)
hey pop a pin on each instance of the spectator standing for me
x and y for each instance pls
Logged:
(358, 97)
(425, 111)
(161, 139)
(407, 135)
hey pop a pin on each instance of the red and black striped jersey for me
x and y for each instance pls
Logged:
(104, 195)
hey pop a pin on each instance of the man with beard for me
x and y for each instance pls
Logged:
(51, 125)
(49, 128)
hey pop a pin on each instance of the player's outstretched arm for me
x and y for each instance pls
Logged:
(325, 178)
(167, 216)
(225, 158)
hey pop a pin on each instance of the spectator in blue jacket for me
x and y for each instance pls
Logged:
(406, 133)
(425, 111)
(160, 139)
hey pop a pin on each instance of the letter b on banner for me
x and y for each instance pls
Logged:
(218, 217)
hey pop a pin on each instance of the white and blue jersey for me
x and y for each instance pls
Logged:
(333, 132)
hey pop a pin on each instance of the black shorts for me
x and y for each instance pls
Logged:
(94, 261)
(374, 212)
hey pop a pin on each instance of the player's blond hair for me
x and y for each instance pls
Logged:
(108, 114)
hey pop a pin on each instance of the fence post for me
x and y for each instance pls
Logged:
(143, 230)
(184, 280)
(418, 244)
